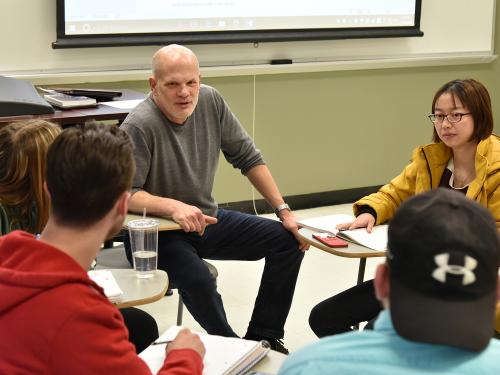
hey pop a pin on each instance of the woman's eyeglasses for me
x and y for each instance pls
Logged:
(452, 118)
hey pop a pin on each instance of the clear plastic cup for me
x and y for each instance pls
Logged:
(144, 245)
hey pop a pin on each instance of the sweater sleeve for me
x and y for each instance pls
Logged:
(237, 146)
(142, 155)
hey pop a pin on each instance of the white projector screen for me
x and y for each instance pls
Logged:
(92, 23)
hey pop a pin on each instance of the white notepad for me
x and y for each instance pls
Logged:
(224, 355)
(106, 280)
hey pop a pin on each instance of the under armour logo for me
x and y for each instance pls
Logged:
(443, 268)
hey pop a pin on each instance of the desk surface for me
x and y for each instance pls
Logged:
(81, 115)
(138, 291)
(352, 251)
(165, 224)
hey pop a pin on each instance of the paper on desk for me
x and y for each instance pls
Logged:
(106, 280)
(224, 355)
(48, 91)
(327, 224)
(123, 104)
(376, 240)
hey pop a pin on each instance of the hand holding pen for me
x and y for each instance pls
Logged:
(185, 339)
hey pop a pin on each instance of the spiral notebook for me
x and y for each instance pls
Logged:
(224, 355)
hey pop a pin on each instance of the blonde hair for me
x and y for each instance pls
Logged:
(23, 150)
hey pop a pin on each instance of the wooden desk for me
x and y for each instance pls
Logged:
(271, 363)
(74, 116)
(352, 251)
(138, 291)
(165, 224)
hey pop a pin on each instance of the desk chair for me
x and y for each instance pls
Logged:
(115, 258)
(180, 308)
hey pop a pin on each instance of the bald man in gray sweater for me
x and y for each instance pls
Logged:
(178, 132)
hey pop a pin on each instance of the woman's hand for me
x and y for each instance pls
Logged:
(365, 220)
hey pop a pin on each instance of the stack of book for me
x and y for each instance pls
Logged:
(69, 101)
(97, 94)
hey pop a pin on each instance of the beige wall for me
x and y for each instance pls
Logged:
(336, 130)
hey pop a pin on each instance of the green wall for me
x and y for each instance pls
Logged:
(336, 130)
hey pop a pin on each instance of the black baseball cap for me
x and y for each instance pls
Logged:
(443, 255)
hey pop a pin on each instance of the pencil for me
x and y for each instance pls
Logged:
(162, 342)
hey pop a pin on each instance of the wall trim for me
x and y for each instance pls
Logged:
(304, 201)
(140, 74)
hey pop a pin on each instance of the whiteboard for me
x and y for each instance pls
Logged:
(453, 30)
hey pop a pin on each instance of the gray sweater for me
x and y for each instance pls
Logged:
(180, 161)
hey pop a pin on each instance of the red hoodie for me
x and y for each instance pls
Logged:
(55, 320)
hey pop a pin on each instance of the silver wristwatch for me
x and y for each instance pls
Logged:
(280, 208)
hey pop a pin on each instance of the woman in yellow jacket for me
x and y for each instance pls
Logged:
(465, 156)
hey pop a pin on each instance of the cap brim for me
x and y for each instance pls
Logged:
(463, 324)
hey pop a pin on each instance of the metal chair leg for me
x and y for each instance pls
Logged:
(180, 308)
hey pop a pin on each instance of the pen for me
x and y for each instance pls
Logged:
(162, 342)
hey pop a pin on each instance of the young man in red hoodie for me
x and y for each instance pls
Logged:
(53, 318)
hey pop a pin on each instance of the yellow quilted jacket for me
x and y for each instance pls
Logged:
(425, 171)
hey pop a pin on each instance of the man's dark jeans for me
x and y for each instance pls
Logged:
(236, 236)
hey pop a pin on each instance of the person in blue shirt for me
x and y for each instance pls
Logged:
(438, 286)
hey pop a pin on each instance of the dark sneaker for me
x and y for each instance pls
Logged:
(274, 344)
(277, 345)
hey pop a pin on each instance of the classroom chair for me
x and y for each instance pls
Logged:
(115, 257)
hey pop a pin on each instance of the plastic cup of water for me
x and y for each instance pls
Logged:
(144, 245)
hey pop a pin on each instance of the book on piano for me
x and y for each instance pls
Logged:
(67, 101)
(98, 94)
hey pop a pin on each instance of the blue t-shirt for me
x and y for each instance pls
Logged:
(383, 351)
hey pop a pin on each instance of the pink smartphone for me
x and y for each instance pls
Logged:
(330, 240)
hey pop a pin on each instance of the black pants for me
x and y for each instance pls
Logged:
(339, 313)
(236, 236)
(142, 328)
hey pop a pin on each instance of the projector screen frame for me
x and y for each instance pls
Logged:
(227, 37)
